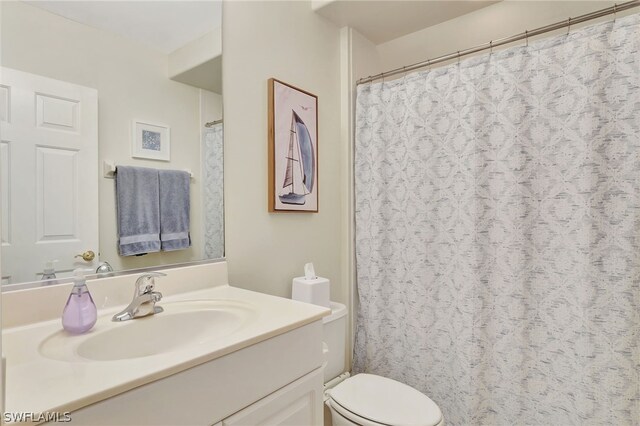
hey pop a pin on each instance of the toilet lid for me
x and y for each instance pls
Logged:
(386, 401)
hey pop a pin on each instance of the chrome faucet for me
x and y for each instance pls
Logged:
(144, 299)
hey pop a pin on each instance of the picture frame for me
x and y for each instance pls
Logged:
(293, 149)
(151, 141)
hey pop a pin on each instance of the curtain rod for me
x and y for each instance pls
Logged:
(213, 123)
(502, 41)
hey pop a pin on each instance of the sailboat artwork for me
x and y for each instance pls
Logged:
(293, 149)
(300, 169)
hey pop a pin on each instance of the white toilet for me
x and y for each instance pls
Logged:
(367, 399)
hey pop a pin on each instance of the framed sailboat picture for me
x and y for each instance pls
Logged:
(293, 149)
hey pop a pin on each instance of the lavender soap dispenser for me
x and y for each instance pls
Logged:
(80, 313)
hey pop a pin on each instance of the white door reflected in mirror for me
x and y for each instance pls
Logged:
(49, 165)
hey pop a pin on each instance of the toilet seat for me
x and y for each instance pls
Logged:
(352, 418)
(371, 400)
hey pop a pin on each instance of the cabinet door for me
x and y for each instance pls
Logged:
(299, 403)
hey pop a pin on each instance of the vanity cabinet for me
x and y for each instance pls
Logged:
(299, 403)
(217, 354)
(278, 381)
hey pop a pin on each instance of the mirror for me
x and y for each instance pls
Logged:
(86, 87)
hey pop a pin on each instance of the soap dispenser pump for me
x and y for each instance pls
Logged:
(80, 313)
(49, 272)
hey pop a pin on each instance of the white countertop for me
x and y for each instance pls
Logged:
(38, 384)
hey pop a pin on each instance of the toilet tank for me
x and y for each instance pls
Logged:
(334, 341)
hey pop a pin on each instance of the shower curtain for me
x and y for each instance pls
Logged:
(497, 221)
(213, 192)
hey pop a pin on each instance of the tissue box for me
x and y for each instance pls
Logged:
(316, 291)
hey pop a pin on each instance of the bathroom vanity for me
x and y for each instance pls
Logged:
(216, 355)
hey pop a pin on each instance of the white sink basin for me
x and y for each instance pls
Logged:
(182, 325)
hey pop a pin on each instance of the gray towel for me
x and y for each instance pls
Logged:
(174, 209)
(138, 210)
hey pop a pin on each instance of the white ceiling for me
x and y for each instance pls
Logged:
(162, 25)
(385, 20)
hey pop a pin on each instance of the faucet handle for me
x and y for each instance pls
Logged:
(146, 283)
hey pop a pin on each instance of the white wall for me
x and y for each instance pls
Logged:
(287, 41)
(132, 83)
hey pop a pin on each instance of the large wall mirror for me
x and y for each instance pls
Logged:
(90, 86)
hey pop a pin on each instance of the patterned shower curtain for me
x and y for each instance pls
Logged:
(497, 230)
(213, 192)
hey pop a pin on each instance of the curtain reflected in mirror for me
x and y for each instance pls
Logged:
(213, 190)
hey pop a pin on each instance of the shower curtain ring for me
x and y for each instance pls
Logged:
(491, 47)
(526, 37)
(615, 11)
(569, 26)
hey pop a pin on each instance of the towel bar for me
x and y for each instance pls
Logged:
(109, 170)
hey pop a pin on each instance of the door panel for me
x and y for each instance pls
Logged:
(5, 99)
(299, 403)
(5, 184)
(56, 113)
(56, 189)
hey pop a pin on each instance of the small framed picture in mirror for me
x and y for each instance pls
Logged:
(151, 141)
(293, 149)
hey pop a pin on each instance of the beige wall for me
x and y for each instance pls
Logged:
(358, 57)
(490, 23)
(210, 107)
(287, 41)
(132, 83)
(2, 360)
